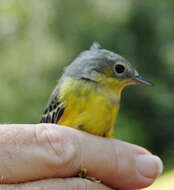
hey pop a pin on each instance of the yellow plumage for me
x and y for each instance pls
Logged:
(89, 106)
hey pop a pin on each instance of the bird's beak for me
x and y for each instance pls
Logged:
(141, 80)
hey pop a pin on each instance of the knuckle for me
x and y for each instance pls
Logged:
(124, 160)
(57, 143)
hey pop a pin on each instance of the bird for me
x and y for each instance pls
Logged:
(87, 95)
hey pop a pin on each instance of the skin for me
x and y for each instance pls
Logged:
(41, 156)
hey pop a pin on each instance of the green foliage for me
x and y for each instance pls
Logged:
(38, 38)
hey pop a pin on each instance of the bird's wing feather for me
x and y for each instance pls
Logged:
(53, 112)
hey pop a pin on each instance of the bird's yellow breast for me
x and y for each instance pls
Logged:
(89, 106)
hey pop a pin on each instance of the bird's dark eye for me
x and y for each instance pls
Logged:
(119, 68)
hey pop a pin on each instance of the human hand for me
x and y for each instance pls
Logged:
(38, 152)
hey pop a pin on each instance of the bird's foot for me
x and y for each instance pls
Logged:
(83, 174)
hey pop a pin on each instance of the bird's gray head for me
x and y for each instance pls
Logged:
(97, 64)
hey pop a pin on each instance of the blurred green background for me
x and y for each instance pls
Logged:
(38, 38)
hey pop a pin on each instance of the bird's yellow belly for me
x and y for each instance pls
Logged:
(91, 112)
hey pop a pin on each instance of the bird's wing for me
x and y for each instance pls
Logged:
(53, 112)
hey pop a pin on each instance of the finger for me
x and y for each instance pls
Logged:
(40, 151)
(57, 184)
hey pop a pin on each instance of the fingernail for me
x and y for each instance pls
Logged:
(149, 165)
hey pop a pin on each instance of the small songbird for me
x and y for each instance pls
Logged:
(87, 96)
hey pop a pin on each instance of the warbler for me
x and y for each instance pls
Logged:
(87, 96)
